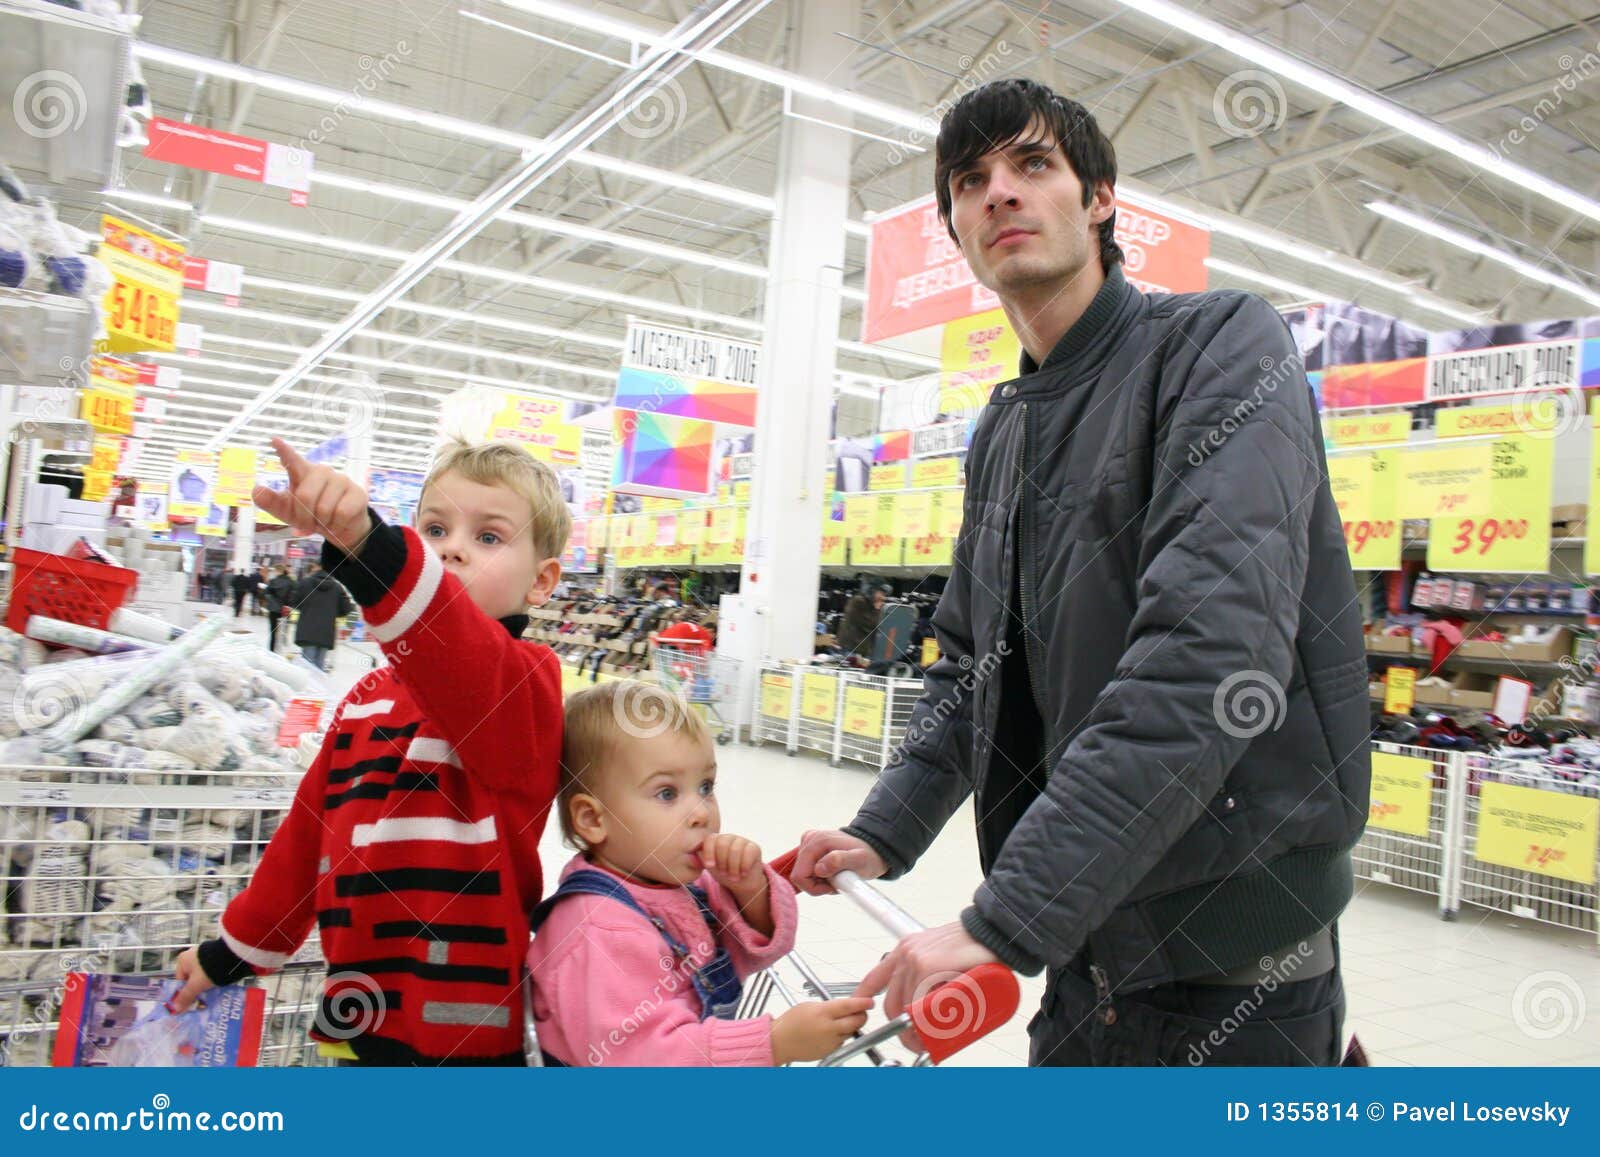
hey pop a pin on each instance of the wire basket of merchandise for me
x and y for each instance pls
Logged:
(703, 680)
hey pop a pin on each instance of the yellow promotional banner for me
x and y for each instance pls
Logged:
(208, 529)
(863, 711)
(692, 527)
(1370, 429)
(1399, 690)
(1591, 545)
(193, 479)
(141, 307)
(107, 404)
(879, 550)
(674, 554)
(777, 692)
(641, 530)
(540, 424)
(628, 556)
(913, 514)
(741, 493)
(948, 518)
(818, 694)
(1402, 794)
(1547, 832)
(1350, 477)
(236, 476)
(1514, 536)
(929, 550)
(721, 530)
(1446, 481)
(834, 551)
(650, 504)
(887, 505)
(860, 515)
(976, 354)
(890, 476)
(599, 533)
(1375, 542)
(932, 473)
(1476, 421)
(106, 453)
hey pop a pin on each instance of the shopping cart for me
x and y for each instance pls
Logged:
(701, 679)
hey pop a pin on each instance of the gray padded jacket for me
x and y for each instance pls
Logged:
(1155, 497)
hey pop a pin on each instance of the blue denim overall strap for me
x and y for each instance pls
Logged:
(716, 981)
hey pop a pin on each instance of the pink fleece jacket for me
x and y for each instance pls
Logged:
(606, 990)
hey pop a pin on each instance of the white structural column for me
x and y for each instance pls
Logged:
(244, 541)
(783, 547)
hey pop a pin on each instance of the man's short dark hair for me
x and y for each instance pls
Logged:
(999, 114)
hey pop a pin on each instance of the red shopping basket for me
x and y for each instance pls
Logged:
(59, 587)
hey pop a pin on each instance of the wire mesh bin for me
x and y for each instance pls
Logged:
(1412, 830)
(841, 712)
(122, 869)
(1528, 844)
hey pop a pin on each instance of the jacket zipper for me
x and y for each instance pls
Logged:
(1024, 579)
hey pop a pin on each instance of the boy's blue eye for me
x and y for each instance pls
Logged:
(433, 530)
(708, 787)
(489, 538)
(667, 794)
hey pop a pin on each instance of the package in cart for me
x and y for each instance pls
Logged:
(124, 1022)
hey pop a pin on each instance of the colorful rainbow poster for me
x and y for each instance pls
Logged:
(661, 455)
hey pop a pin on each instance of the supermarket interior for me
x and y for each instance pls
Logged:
(922, 380)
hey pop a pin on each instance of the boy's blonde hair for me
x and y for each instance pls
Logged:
(505, 463)
(599, 719)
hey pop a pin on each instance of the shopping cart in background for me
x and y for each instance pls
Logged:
(704, 680)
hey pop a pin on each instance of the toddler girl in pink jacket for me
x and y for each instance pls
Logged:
(640, 955)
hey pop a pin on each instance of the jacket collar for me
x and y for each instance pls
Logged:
(515, 624)
(1084, 332)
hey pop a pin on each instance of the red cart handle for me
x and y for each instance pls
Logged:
(784, 864)
(965, 1009)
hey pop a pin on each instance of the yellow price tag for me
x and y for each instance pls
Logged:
(777, 692)
(818, 694)
(1451, 481)
(1548, 832)
(1513, 537)
(1400, 690)
(863, 711)
(1402, 794)
(912, 514)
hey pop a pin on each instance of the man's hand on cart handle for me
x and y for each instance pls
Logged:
(822, 854)
(319, 499)
(920, 963)
(195, 981)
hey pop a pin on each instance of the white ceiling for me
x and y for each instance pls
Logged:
(1478, 68)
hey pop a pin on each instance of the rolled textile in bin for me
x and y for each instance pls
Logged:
(90, 639)
(120, 696)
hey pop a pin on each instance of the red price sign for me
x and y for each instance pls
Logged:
(1358, 536)
(1480, 535)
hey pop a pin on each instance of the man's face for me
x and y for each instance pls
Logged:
(1019, 216)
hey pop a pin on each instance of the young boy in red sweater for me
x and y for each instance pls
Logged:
(413, 839)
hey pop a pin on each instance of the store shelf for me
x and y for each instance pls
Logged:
(1470, 663)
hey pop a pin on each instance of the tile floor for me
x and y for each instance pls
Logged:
(1485, 989)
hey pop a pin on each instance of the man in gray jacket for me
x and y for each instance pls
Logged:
(1152, 677)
